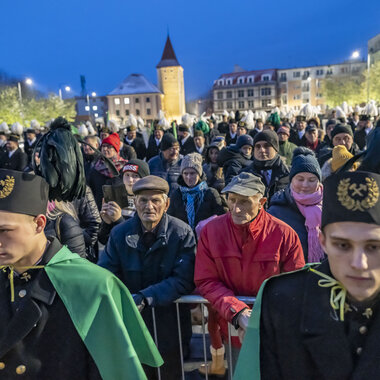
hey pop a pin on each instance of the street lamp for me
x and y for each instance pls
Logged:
(355, 54)
(93, 94)
(28, 81)
(67, 89)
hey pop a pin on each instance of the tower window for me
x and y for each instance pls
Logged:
(138, 112)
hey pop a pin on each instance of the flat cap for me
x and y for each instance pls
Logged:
(246, 184)
(151, 182)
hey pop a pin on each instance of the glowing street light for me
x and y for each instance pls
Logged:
(355, 54)
(93, 94)
(28, 81)
(67, 88)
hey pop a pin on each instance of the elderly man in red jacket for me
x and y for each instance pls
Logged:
(239, 250)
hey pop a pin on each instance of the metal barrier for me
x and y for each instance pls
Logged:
(194, 299)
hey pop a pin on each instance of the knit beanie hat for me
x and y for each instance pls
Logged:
(137, 166)
(168, 141)
(304, 160)
(340, 155)
(194, 161)
(114, 140)
(341, 128)
(269, 136)
(244, 140)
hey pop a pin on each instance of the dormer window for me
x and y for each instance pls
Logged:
(265, 77)
(229, 82)
(241, 80)
(251, 79)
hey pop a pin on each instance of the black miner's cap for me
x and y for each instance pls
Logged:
(351, 197)
(23, 193)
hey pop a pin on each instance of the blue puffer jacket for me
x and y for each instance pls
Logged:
(170, 172)
(283, 207)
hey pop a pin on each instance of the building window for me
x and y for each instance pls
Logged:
(148, 111)
(284, 99)
(265, 78)
(241, 105)
(87, 108)
(266, 91)
(319, 95)
(265, 103)
(137, 100)
(306, 74)
(220, 82)
(148, 100)
(319, 72)
(283, 77)
(219, 95)
(117, 101)
(241, 93)
(241, 80)
(138, 112)
(329, 72)
(229, 105)
(220, 106)
(126, 112)
(126, 100)
(229, 94)
(297, 97)
(250, 92)
(229, 81)
(251, 79)
(296, 74)
(95, 108)
(117, 112)
(96, 114)
(250, 103)
(305, 87)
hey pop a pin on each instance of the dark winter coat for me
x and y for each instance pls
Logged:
(28, 149)
(212, 205)
(67, 230)
(89, 161)
(213, 178)
(18, 160)
(168, 171)
(283, 207)
(232, 162)
(360, 138)
(230, 140)
(37, 332)
(138, 145)
(187, 147)
(301, 336)
(294, 138)
(128, 152)
(153, 149)
(161, 273)
(279, 178)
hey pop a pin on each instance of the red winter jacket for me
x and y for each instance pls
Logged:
(233, 260)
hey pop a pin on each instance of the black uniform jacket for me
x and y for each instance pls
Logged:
(18, 160)
(302, 337)
(38, 340)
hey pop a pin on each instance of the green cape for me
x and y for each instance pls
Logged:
(105, 316)
(248, 365)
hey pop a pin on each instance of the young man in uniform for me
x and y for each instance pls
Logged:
(323, 322)
(61, 317)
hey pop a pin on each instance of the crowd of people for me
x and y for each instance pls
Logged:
(216, 208)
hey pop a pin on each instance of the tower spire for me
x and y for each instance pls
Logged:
(168, 56)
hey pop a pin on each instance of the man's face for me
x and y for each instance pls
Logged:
(88, 150)
(11, 146)
(2, 137)
(19, 237)
(356, 118)
(259, 125)
(131, 135)
(233, 127)
(283, 137)
(343, 139)
(103, 135)
(158, 133)
(301, 125)
(312, 136)
(213, 155)
(109, 151)
(211, 125)
(30, 136)
(199, 141)
(172, 153)
(129, 179)
(353, 250)
(263, 151)
(243, 209)
(241, 131)
(183, 134)
(151, 206)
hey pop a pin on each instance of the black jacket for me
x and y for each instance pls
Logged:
(279, 178)
(232, 162)
(187, 147)
(128, 152)
(153, 149)
(67, 230)
(212, 204)
(294, 138)
(230, 140)
(360, 138)
(138, 145)
(37, 332)
(18, 160)
(301, 336)
(28, 149)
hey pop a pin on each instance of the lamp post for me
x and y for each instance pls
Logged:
(29, 82)
(67, 89)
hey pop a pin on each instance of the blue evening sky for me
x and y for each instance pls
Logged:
(55, 41)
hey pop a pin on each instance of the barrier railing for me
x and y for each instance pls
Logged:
(194, 299)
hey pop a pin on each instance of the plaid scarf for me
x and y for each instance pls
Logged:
(101, 167)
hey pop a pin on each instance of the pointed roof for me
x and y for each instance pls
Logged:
(135, 84)
(168, 56)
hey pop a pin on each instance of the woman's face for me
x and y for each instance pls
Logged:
(213, 155)
(129, 179)
(305, 183)
(191, 177)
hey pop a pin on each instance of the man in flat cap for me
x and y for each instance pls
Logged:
(153, 254)
(13, 158)
(239, 250)
(61, 317)
(323, 322)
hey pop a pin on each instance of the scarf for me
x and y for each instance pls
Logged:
(310, 206)
(101, 167)
(193, 197)
(266, 165)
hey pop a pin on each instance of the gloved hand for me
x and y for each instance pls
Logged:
(139, 301)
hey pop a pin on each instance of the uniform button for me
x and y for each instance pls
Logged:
(359, 350)
(2, 365)
(363, 330)
(20, 369)
(22, 293)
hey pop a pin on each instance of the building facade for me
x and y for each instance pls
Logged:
(254, 90)
(374, 49)
(91, 108)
